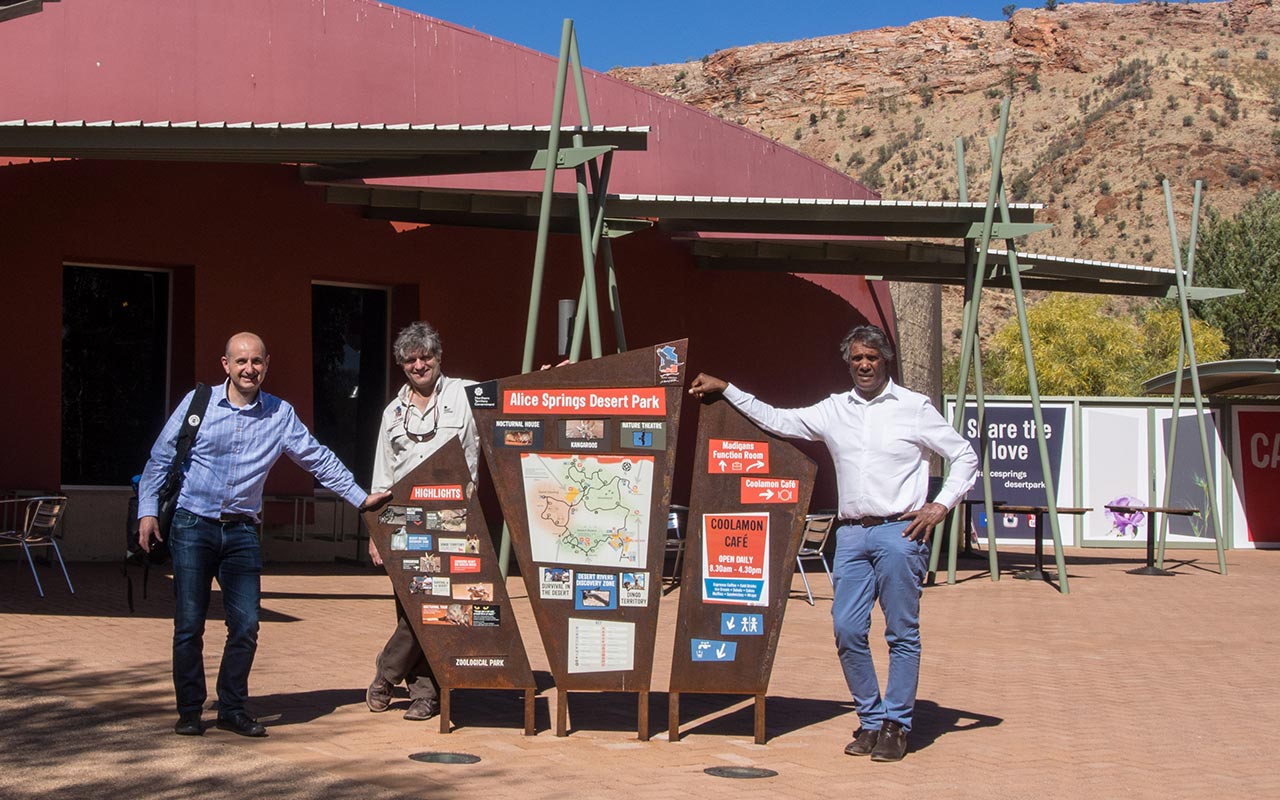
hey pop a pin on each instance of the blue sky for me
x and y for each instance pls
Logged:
(612, 33)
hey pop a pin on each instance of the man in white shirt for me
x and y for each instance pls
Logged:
(879, 436)
(428, 411)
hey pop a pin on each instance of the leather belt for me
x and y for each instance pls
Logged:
(868, 522)
(233, 519)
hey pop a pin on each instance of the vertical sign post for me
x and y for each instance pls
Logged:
(440, 558)
(581, 457)
(746, 517)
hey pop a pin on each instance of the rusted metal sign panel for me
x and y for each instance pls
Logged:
(747, 511)
(440, 558)
(581, 458)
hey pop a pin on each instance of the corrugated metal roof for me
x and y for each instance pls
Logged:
(12, 9)
(290, 142)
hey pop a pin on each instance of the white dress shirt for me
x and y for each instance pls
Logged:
(880, 447)
(397, 453)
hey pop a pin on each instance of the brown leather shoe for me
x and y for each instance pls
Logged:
(422, 709)
(864, 741)
(378, 696)
(892, 744)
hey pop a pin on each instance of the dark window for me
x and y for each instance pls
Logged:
(115, 358)
(349, 346)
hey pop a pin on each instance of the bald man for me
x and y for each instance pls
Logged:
(214, 532)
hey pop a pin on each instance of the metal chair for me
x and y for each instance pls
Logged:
(817, 527)
(38, 526)
(677, 525)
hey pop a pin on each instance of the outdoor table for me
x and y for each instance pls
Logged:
(1037, 573)
(1151, 511)
(968, 521)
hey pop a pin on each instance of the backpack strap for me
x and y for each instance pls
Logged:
(187, 436)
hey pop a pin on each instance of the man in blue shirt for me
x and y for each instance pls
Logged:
(244, 432)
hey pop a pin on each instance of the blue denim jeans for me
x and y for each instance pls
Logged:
(202, 550)
(871, 564)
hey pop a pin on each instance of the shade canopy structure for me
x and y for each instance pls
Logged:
(1254, 377)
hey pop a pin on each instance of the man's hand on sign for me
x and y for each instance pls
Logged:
(706, 384)
(922, 521)
(375, 501)
(374, 556)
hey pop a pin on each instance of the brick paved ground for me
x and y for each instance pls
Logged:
(1131, 686)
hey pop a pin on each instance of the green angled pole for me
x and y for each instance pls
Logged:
(957, 513)
(600, 180)
(584, 212)
(540, 248)
(1037, 413)
(1177, 393)
(544, 211)
(1211, 489)
(971, 318)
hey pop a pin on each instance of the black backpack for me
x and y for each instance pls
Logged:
(159, 554)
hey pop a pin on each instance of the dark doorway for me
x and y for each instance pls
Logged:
(115, 367)
(349, 346)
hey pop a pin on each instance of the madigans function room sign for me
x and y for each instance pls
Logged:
(438, 553)
(581, 458)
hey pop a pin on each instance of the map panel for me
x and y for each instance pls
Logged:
(588, 509)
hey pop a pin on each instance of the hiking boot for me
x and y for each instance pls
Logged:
(422, 709)
(378, 696)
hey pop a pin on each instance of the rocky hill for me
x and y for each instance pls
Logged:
(1107, 101)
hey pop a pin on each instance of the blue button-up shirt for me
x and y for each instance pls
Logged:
(232, 453)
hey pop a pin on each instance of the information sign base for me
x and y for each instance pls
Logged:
(446, 725)
(642, 714)
(673, 716)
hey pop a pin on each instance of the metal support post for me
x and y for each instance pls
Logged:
(1177, 388)
(1033, 386)
(1210, 479)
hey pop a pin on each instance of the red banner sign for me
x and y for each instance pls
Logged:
(733, 456)
(640, 401)
(1259, 433)
(439, 492)
(769, 490)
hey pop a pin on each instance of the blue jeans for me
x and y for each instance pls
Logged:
(870, 564)
(203, 549)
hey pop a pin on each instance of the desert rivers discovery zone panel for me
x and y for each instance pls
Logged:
(581, 458)
(440, 558)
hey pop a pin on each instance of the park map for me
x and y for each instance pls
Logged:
(590, 510)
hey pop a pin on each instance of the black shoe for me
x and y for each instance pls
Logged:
(422, 709)
(864, 741)
(892, 745)
(241, 723)
(189, 724)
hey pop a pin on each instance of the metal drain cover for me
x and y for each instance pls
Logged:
(444, 758)
(740, 772)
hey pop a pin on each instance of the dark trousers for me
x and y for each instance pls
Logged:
(202, 550)
(402, 659)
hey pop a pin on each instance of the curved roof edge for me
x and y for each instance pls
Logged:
(1259, 377)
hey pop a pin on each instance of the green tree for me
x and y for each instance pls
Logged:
(1077, 349)
(1081, 350)
(1243, 252)
(1161, 330)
